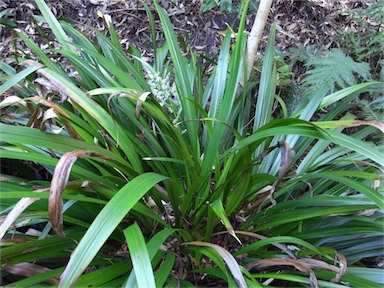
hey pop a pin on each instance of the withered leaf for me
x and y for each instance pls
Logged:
(29, 270)
(297, 263)
(229, 260)
(58, 184)
(287, 155)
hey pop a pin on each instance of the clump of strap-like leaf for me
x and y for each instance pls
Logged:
(148, 202)
(334, 69)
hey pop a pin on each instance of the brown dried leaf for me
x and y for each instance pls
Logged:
(43, 87)
(58, 184)
(142, 99)
(305, 265)
(11, 100)
(29, 63)
(280, 246)
(38, 100)
(318, 264)
(15, 212)
(343, 267)
(21, 205)
(286, 159)
(229, 260)
(376, 124)
(8, 241)
(287, 155)
(60, 112)
(298, 264)
(29, 270)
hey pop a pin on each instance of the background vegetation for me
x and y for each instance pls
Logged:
(160, 173)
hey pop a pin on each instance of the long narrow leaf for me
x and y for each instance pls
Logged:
(57, 30)
(139, 255)
(105, 223)
(229, 260)
(182, 80)
(18, 77)
(99, 114)
(266, 93)
(153, 246)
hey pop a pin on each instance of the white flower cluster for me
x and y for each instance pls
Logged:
(165, 93)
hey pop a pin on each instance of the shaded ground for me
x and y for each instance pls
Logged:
(299, 22)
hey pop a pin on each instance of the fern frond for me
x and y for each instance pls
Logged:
(334, 69)
(302, 54)
(374, 12)
(373, 110)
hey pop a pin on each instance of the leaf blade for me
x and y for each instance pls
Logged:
(140, 257)
(104, 224)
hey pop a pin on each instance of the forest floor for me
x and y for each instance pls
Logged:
(310, 22)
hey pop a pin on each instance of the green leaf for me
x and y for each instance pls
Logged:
(295, 279)
(165, 269)
(370, 274)
(220, 78)
(225, 107)
(96, 112)
(332, 68)
(105, 223)
(18, 77)
(102, 275)
(20, 135)
(153, 246)
(281, 239)
(370, 193)
(266, 93)
(57, 30)
(183, 83)
(218, 208)
(139, 255)
(228, 258)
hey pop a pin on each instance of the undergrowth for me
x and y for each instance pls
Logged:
(162, 175)
(366, 43)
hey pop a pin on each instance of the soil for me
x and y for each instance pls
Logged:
(308, 22)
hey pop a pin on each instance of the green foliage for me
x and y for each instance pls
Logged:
(372, 109)
(334, 69)
(331, 70)
(364, 48)
(6, 19)
(155, 196)
(367, 43)
(373, 12)
(302, 54)
(227, 5)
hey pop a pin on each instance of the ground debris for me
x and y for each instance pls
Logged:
(309, 22)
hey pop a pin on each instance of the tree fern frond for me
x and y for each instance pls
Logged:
(373, 110)
(374, 12)
(302, 54)
(334, 69)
